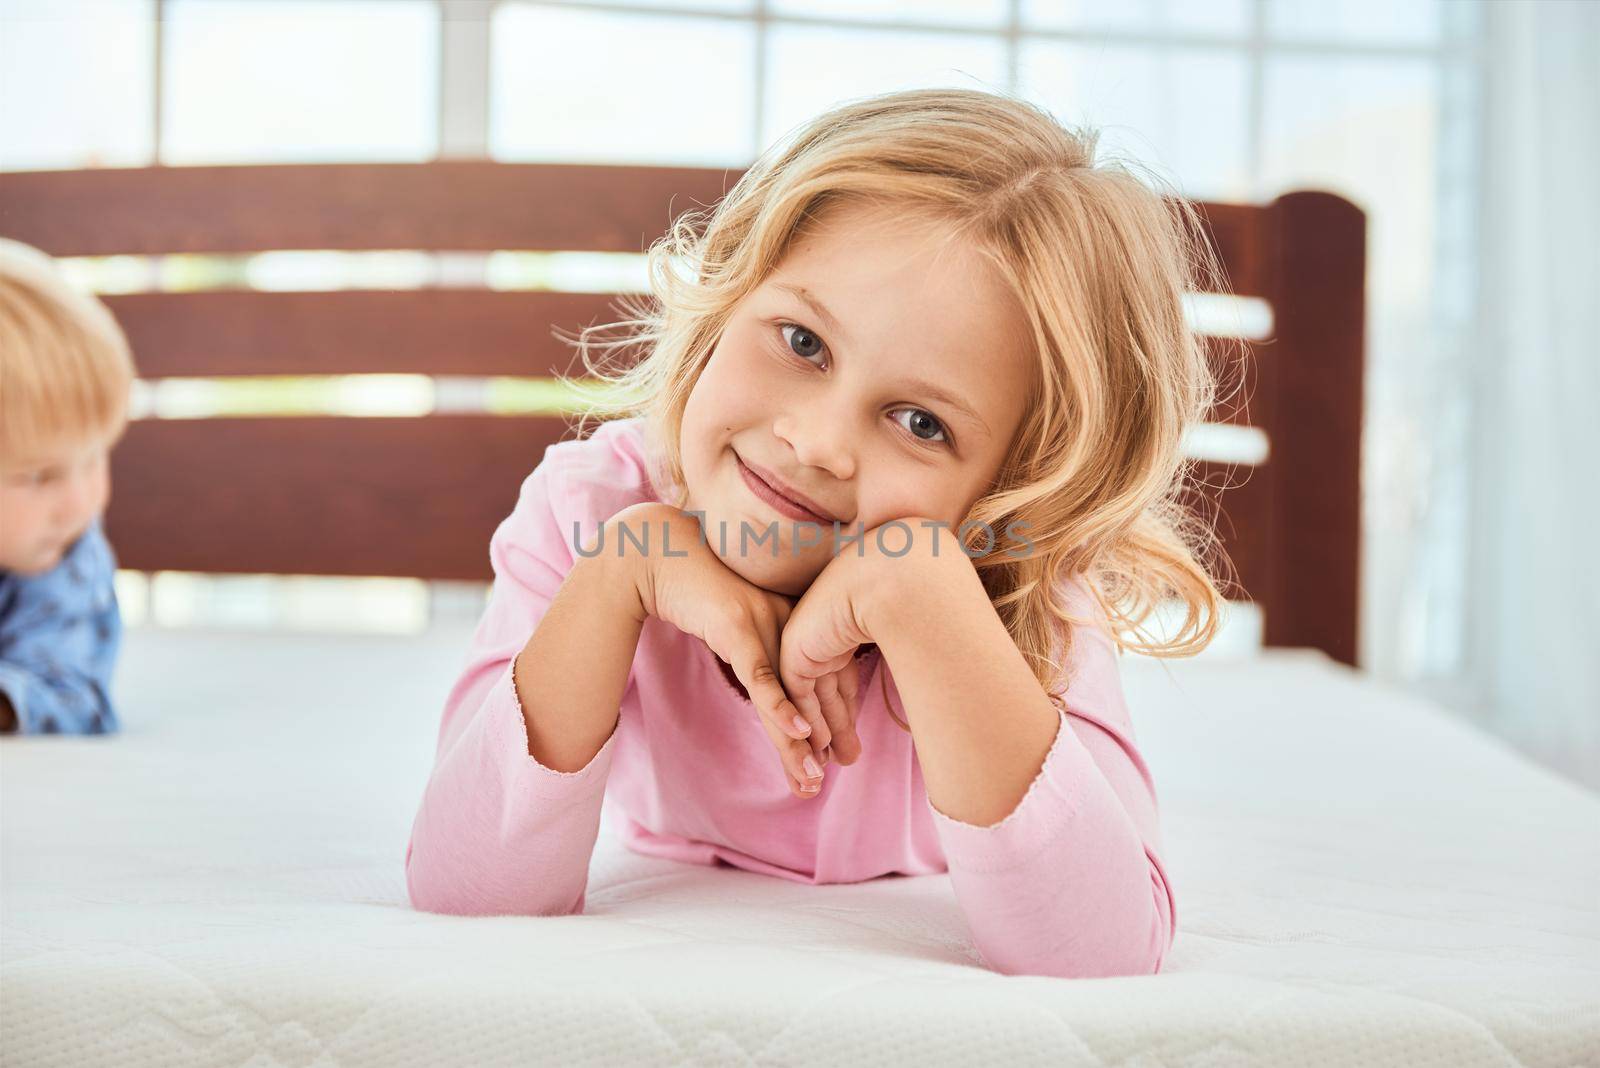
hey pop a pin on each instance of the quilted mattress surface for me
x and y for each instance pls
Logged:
(1360, 879)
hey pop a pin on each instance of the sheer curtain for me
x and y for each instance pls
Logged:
(1535, 582)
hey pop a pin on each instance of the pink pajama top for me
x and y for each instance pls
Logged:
(1069, 884)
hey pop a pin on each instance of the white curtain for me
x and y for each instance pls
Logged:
(1534, 589)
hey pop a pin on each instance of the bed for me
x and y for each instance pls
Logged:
(1361, 877)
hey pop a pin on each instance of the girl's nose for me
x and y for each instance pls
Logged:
(820, 440)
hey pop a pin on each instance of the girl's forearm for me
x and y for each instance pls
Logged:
(981, 723)
(571, 674)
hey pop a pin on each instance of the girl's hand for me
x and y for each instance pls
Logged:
(700, 595)
(817, 650)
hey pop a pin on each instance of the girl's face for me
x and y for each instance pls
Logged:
(48, 498)
(895, 392)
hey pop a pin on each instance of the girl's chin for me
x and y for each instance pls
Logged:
(775, 574)
(761, 571)
(37, 563)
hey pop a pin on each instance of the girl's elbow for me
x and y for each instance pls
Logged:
(1141, 951)
(446, 894)
(1080, 966)
(428, 893)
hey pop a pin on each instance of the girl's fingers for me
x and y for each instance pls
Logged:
(753, 649)
(816, 729)
(792, 757)
(808, 709)
(845, 746)
(807, 715)
(850, 688)
(776, 712)
(803, 690)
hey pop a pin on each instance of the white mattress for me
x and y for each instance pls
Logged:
(1359, 878)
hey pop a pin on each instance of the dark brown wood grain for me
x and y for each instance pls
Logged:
(321, 496)
(459, 205)
(1317, 246)
(425, 331)
(306, 495)
(445, 205)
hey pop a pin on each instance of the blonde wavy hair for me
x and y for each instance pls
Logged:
(1100, 262)
(65, 368)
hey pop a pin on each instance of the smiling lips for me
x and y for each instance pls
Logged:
(757, 481)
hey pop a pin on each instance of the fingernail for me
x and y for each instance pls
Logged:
(801, 725)
(811, 766)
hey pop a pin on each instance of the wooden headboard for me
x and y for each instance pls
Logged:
(306, 494)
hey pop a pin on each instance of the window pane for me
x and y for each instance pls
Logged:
(597, 87)
(1365, 129)
(76, 83)
(692, 5)
(300, 81)
(1370, 21)
(1183, 112)
(812, 68)
(1220, 17)
(954, 12)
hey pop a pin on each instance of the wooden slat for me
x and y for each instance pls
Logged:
(461, 205)
(423, 331)
(1291, 527)
(405, 497)
(467, 205)
(1318, 255)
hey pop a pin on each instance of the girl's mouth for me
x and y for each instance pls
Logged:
(777, 500)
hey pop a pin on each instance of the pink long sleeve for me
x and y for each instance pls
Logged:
(1070, 884)
(497, 831)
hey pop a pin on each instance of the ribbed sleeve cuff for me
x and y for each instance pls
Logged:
(520, 770)
(1049, 805)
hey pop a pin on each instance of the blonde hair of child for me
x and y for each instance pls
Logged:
(65, 367)
(1101, 262)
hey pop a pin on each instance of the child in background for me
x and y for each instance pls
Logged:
(65, 376)
(956, 258)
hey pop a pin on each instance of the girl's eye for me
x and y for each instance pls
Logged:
(811, 341)
(924, 426)
(922, 422)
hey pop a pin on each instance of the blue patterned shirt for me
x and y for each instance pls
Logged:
(59, 634)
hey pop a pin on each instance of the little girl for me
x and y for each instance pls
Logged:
(891, 486)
